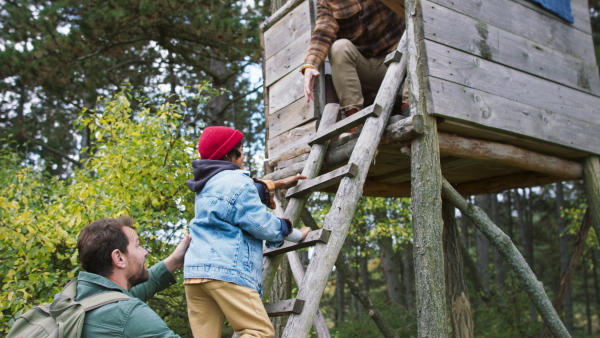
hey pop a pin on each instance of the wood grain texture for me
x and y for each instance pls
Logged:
(297, 137)
(287, 28)
(459, 67)
(528, 23)
(493, 111)
(298, 113)
(462, 32)
(287, 59)
(286, 91)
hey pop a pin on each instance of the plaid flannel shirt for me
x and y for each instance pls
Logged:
(370, 25)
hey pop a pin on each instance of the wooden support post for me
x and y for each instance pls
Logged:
(591, 177)
(513, 257)
(426, 182)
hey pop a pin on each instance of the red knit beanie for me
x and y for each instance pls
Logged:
(216, 142)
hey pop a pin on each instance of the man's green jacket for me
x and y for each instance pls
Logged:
(126, 318)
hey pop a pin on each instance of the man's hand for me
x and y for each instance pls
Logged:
(288, 181)
(305, 231)
(175, 260)
(309, 83)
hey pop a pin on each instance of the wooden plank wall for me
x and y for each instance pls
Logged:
(290, 119)
(512, 66)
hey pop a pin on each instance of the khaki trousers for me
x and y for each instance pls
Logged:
(353, 74)
(210, 303)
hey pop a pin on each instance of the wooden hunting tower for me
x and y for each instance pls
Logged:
(503, 95)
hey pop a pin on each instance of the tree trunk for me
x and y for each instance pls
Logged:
(360, 295)
(591, 178)
(465, 224)
(391, 268)
(596, 281)
(456, 289)
(523, 272)
(586, 293)
(426, 185)
(482, 243)
(408, 276)
(564, 255)
(498, 261)
(339, 293)
(567, 275)
(526, 235)
(281, 290)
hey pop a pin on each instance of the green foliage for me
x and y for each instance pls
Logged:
(402, 322)
(58, 56)
(139, 166)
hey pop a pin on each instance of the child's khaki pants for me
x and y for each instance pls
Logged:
(211, 302)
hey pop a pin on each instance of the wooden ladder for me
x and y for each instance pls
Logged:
(328, 240)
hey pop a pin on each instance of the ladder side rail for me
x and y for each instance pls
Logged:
(339, 218)
(295, 205)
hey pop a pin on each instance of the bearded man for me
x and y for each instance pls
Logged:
(113, 260)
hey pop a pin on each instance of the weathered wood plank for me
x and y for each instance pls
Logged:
(580, 9)
(491, 43)
(297, 137)
(292, 161)
(313, 237)
(287, 29)
(298, 113)
(475, 106)
(458, 146)
(328, 132)
(286, 91)
(528, 23)
(287, 59)
(325, 180)
(455, 66)
(284, 307)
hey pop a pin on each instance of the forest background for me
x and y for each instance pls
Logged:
(101, 104)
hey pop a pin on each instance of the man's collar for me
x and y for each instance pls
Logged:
(101, 281)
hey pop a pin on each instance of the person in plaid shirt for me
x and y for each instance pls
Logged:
(357, 35)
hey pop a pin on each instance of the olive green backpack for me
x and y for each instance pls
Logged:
(64, 317)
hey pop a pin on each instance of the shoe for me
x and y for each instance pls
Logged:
(350, 112)
(354, 130)
(405, 109)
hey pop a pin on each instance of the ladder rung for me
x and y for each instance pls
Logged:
(327, 132)
(313, 237)
(284, 307)
(323, 181)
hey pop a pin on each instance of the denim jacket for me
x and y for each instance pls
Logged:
(228, 230)
(126, 318)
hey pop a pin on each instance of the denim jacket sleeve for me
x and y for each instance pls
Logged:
(252, 216)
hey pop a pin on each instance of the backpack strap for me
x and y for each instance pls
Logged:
(101, 299)
(93, 302)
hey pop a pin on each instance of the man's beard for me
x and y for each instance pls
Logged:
(139, 277)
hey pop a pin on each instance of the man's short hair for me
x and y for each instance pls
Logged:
(98, 240)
